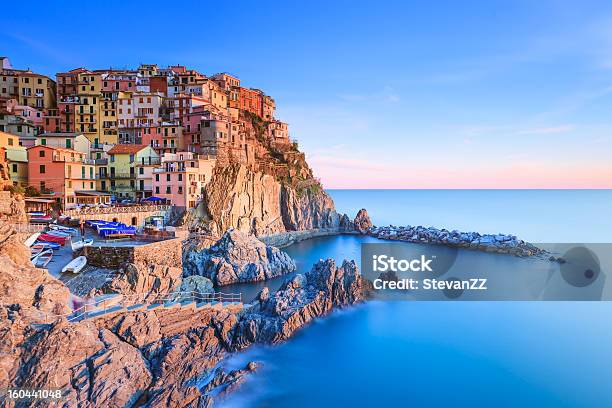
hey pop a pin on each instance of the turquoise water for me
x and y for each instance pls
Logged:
(533, 215)
(446, 354)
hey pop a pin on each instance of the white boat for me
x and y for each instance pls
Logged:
(32, 239)
(76, 245)
(42, 259)
(76, 265)
(62, 228)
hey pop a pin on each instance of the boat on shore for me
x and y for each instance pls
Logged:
(45, 245)
(52, 238)
(59, 234)
(76, 265)
(31, 239)
(43, 258)
(61, 228)
(76, 245)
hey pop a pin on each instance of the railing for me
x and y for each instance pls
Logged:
(114, 176)
(116, 209)
(28, 228)
(123, 302)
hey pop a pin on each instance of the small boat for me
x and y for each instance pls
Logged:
(61, 228)
(76, 265)
(52, 238)
(41, 260)
(121, 232)
(58, 234)
(76, 245)
(41, 219)
(35, 250)
(46, 245)
(32, 239)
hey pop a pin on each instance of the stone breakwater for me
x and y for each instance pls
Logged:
(498, 243)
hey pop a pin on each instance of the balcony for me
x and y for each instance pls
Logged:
(122, 176)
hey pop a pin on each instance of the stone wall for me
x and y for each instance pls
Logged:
(168, 253)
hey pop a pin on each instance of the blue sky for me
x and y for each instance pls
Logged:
(471, 94)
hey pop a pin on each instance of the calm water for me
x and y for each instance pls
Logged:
(533, 215)
(401, 353)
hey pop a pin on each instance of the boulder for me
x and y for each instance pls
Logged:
(238, 257)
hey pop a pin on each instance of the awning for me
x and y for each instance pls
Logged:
(153, 199)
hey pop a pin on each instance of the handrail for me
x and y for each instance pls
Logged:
(103, 305)
(113, 210)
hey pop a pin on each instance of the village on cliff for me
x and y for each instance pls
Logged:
(96, 137)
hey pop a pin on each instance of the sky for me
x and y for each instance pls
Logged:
(411, 94)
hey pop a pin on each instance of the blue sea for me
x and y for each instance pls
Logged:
(447, 354)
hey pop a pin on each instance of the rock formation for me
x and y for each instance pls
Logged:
(362, 221)
(238, 257)
(257, 203)
(164, 357)
(149, 280)
(275, 317)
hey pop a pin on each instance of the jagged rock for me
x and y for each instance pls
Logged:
(148, 280)
(223, 383)
(197, 284)
(238, 257)
(300, 300)
(346, 224)
(362, 221)
(118, 374)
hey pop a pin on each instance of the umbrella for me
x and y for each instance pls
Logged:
(153, 199)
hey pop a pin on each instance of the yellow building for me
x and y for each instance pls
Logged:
(36, 91)
(17, 158)
(108, 117)
(87, 110)
(124, 164)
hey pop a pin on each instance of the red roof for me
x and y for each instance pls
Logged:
(126, 149)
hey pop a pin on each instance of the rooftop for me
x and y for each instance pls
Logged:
(126, 149)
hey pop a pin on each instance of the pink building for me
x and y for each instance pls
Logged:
(118, 82)
(182, 177)
(166, 137)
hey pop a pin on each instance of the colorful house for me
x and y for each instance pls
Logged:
(16, 157)
(123, 172)
(65, 174)
(182, 177)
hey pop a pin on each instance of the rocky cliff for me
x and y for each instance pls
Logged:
(259, 203)
(163, 357)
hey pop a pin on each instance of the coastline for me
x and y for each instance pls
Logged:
(285, 239)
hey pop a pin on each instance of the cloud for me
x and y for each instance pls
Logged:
(547, 130)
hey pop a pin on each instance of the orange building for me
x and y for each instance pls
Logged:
(251, 100)
(67, 175)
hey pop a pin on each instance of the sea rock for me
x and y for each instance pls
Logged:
(300, 300)
(362, 221)
(346, 224)
(238, 257)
